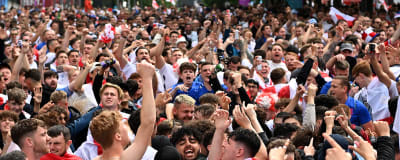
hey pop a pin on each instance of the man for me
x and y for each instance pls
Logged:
(52, 44)
(16, 103)
(59, 143)
(183, 108)
(375, 91)
(234, 63)
(360, 115)
(174, 35)
(253, 89)
(266, 33)
(59, 98)
(205, 75)
(240, 144)
(262, 75)
(277, 54)
(187, 73)
(73, 58)
(31, 136)
(5, 70)
(341, 69)
(111, 133)
(292, 61)
(187, 141)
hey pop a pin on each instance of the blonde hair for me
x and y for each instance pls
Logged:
(108, 85)
(183, 99)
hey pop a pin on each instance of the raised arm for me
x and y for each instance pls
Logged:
(95, 49)
(160, 62)
(160, 46)
(85, 31)
(383, 77)
(21, 62)
(147, 116)
(39, 32)
(385, 63)
(76, 85)
(119, 54)
(67, 34)
(222, 122)
(292, 104)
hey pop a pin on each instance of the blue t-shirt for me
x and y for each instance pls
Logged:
(359, 113)
(326, 87)
(195, 91)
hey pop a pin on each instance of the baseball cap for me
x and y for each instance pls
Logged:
(346, 46)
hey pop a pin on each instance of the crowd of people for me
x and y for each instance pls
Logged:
(195, 83)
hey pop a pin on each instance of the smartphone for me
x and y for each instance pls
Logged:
(259, 67)
(236, 34)
(19, 43)
(372, 47)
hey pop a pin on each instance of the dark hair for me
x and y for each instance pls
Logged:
(187, 66)
(303, 137)
(285, 130)
(23, 128)
(252, 81)
(50, 118)
(205, 109)
(49, 42)
(209, 98)
(134, 121)
(277, 75)
(247, 138)
(115, 80)
(13, 84)
(14, 155)
(326, 100)
(131, 86)
(49, 74)
(101, 55)
(72, 41)
(33, 74)
(298, 118)
(234, 59)
(320, 112)
(57, 130)
(185, 131)
(260, 52)
(73, 50)
(342, 65)
(243, 67)
(343, 81)
(167, 127)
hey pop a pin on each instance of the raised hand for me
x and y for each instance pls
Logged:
(336, 152)
(363, 148)
(145, 70)
(278, 153)
(42, 56)
(241, 118)
(38, 95)
(221, 119)
(309, 150)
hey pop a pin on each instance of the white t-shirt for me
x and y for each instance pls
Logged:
(168, 75)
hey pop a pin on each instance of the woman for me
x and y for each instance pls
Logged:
(7, 121)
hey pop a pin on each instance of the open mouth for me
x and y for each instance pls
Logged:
(189, 153)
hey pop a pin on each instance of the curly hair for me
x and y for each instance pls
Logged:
(53, 116)
(185, 131)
